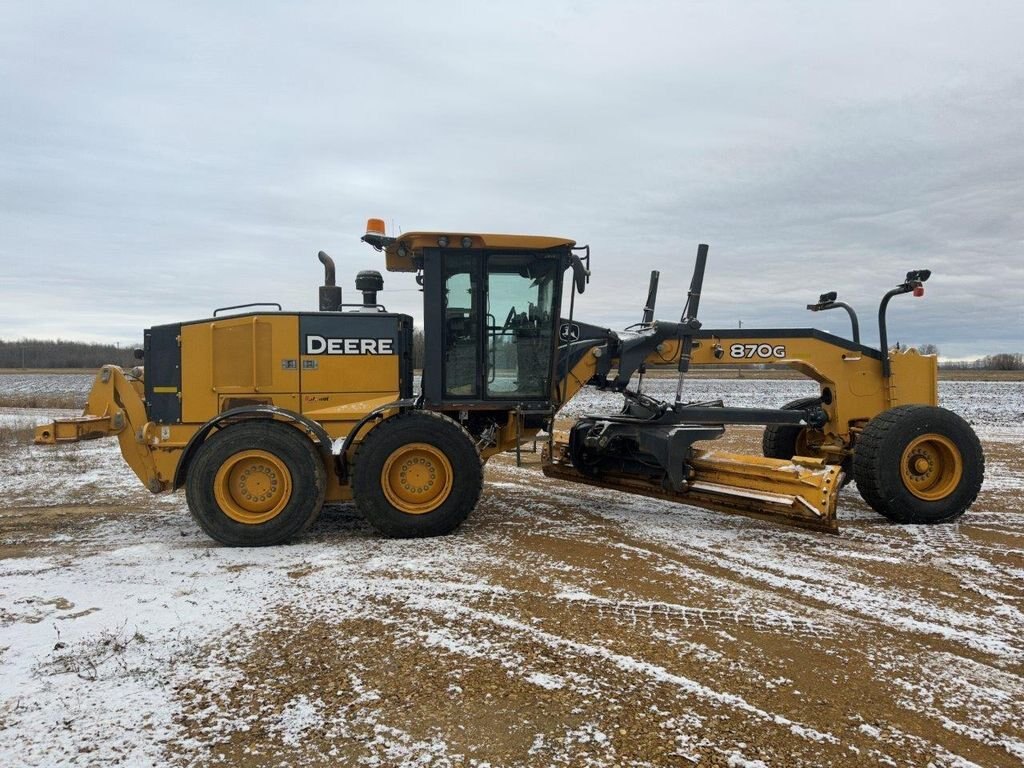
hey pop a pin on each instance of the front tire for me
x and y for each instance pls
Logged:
(256, 484)
(417, 474)
(784, 441)
(919, 464)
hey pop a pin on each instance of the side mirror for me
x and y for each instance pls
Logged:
(580, 273)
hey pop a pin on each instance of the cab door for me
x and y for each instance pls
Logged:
(489, 326)
(462, 299)
(520, 326)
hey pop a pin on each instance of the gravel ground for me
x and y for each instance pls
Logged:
(562, 625)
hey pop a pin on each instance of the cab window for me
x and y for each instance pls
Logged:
(461, 325)
(519, 325)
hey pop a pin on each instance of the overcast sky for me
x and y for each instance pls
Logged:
(159, 160)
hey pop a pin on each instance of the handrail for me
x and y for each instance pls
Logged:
(250, 304)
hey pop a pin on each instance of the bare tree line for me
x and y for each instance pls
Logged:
(61, 353)
(1005, 361)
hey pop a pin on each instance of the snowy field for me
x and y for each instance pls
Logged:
(562, 625)
(46, 383)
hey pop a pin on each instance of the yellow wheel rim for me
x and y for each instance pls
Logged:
(807, 443)
(416, 478)
(931, 467)
(252, 487)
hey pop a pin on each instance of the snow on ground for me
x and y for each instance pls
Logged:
(46, 383)
(91, 471)
(562, 625)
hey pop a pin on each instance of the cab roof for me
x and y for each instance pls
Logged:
(403, 254)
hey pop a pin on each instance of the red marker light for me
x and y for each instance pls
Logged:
(919, 290)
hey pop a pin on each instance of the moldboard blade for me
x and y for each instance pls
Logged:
(801, 492)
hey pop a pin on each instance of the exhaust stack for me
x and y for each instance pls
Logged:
(330, 293)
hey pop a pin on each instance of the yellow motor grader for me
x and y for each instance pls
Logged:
(265, 415)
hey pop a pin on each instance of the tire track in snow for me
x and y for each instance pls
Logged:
(832, 580)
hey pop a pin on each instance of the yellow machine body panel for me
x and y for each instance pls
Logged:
(349, 375)
(238, 360)
(248, 360)
(857, 390)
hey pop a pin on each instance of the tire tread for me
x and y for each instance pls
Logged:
(877, 446)
(779, 440)
(381, 441)
(292, 446)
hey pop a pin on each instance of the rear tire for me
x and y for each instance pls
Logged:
(919, 464)
(256, 484)
(784, 441)
(417, 474)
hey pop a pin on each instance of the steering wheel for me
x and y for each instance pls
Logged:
(509, 319)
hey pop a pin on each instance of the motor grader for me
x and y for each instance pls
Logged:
(264, 415)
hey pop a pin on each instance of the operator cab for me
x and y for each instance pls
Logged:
(491, 311)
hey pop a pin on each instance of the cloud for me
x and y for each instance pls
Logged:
(160, 160)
